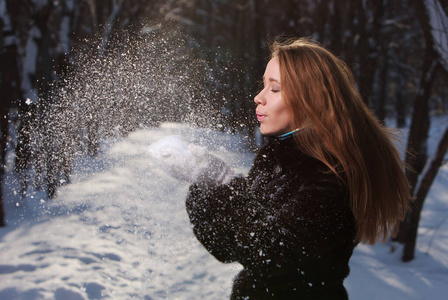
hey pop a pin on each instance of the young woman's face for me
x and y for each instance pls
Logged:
(274, 116)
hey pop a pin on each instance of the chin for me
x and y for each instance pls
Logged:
(267, 132)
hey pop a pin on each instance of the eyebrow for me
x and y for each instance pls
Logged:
(270, 79)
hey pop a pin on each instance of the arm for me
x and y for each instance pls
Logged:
(297, 225)
(213, 211)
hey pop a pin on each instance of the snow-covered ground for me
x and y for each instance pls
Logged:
(119, 230)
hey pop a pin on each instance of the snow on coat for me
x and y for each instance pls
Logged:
(288, 223)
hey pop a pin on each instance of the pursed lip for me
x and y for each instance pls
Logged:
(260, 116)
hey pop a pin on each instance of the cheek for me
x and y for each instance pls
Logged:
(288, 117)
(285, 112)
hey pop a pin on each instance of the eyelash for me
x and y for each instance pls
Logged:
(275, 90)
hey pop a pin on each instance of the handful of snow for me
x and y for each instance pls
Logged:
(189, 162)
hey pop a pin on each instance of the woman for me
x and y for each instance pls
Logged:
(328, 178)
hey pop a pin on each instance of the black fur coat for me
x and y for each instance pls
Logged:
(288, 223)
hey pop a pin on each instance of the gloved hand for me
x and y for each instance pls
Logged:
(189, 162)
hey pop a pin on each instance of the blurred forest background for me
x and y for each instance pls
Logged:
(214, 53)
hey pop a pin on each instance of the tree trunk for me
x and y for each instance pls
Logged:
(383, 94)
(3, 139)
(257, 61)
(368, 47)
(416, 154)
(421, 190)
(400, 102)
(2, 211)
(336, 37)
(418, 134)
(9, 89)
(108, 28)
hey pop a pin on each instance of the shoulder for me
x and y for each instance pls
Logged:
(282, 170)
(285, 155)
(277, 151)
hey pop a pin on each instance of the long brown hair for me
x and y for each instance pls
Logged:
(344, 134)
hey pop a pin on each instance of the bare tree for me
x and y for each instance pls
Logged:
(9, 85)
(434, 23)
(36, 41)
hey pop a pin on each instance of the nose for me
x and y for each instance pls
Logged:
(259, 99)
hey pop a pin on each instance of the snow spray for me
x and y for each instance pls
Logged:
(156, 77)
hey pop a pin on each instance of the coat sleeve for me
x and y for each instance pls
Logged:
(301, 225)
(213, 211)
